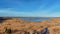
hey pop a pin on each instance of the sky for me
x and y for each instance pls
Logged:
(30, 8)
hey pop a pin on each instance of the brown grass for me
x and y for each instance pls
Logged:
(18, 26)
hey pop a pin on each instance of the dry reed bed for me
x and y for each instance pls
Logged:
(21, 25)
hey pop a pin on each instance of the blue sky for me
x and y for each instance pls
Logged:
(30, 8)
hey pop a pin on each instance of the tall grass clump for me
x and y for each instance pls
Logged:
(8, 31)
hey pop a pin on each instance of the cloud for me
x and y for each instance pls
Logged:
(12, 13)
(8, 12)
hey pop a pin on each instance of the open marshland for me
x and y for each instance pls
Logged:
(29, 25)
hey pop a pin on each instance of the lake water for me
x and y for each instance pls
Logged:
(36, 19)
(30, 19)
